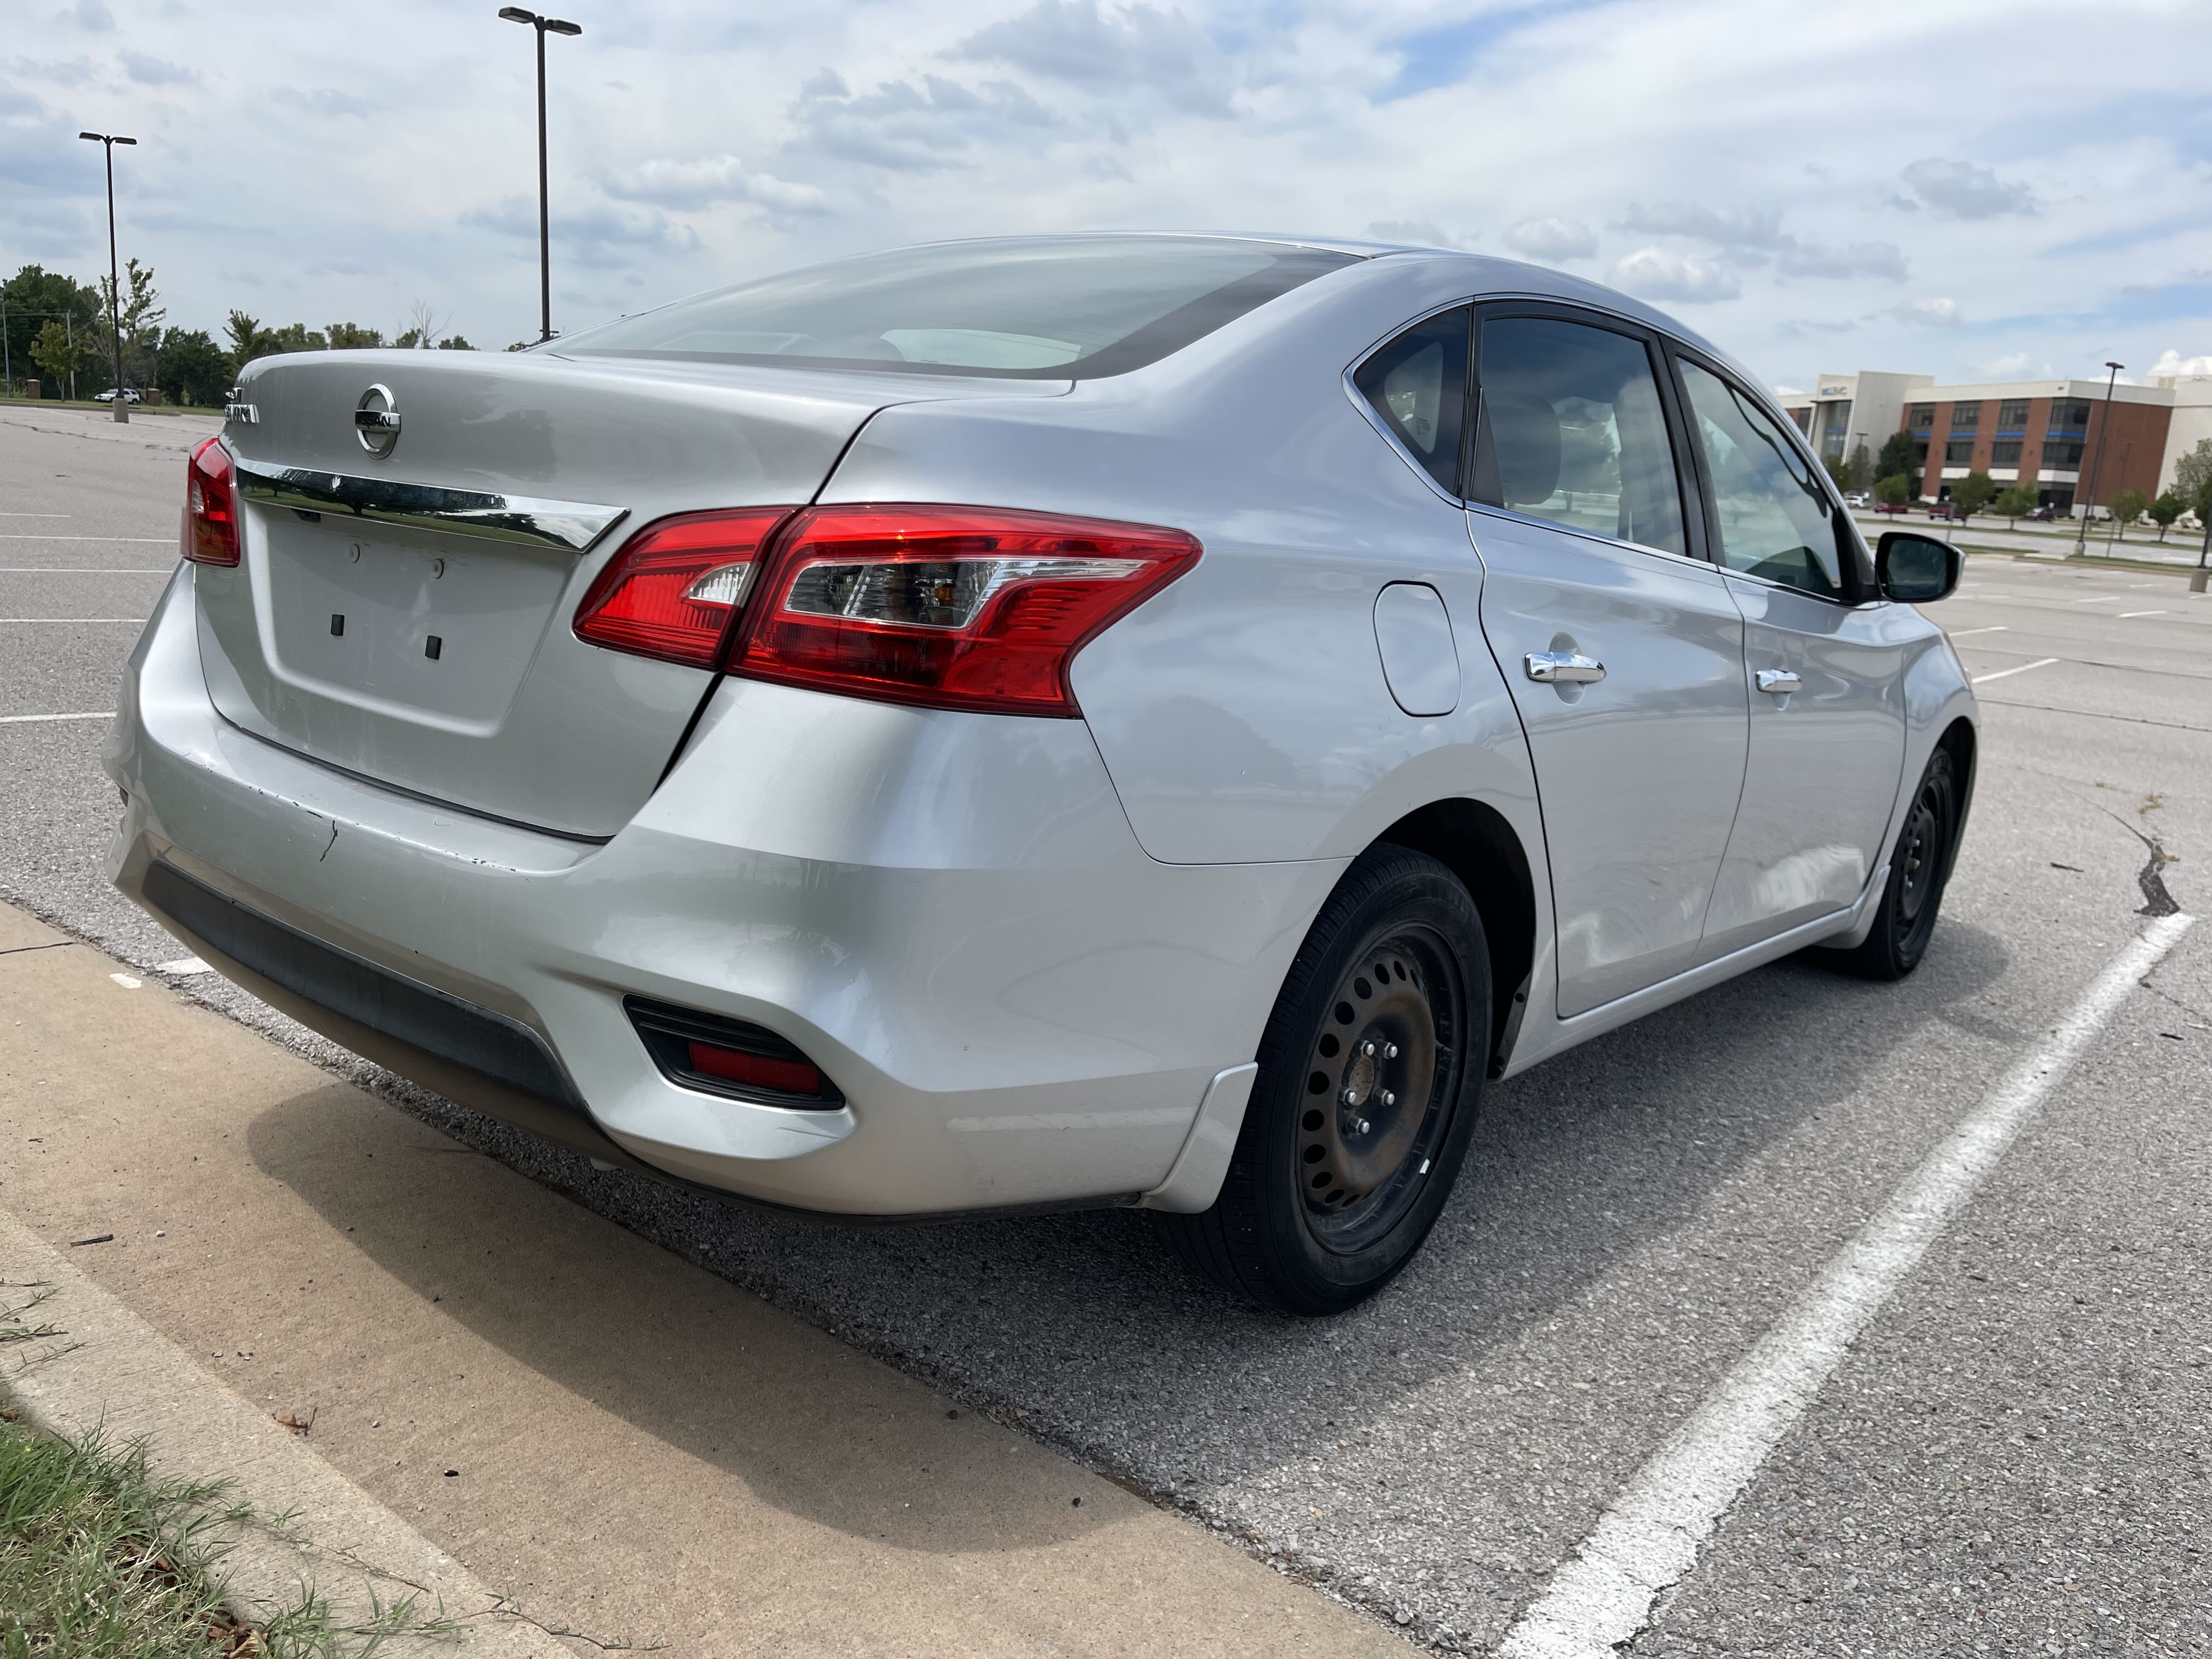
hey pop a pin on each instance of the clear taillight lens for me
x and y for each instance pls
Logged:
(672, 589)
(954, 607)
(210, 506)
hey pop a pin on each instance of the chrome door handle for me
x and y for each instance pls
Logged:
(1780, 682)
(1563, 668)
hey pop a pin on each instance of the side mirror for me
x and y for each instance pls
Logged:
(1915, 569)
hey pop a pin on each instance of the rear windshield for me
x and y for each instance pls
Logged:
(1035, 309)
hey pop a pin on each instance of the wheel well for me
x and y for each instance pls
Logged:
(1959, 738)
(1477, 845)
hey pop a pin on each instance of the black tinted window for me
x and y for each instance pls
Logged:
(1041, 309)
(1572, 430)
(1417, 384)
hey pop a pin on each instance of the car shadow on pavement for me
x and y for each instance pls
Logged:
(1084, 1331)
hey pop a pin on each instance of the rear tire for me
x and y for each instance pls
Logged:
(1371, 1072)
(1904, 919)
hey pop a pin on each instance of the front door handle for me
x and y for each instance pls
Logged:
(1779, 681)
(1563, 668)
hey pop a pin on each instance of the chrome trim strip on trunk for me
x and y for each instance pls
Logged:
(572, 525)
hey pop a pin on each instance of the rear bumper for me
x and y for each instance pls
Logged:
(947, 913)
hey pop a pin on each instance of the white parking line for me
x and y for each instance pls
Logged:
(2145, 613)
(1961, 633)
(70, 619)
(2022, 669)
(10, 536)
(2104, 598)
(28, 719)
(86, 569)
(1653, 1533)
(37, 515)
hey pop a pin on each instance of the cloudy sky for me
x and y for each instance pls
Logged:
(1972, 190)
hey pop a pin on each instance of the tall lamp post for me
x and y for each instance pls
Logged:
(2097, 461)
(545, 25)
(109, 141)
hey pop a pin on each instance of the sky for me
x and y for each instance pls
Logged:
(1975, 190)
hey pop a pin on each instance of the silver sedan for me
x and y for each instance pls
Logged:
(1013, 724)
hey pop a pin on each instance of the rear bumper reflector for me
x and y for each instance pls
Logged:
(719, 1055)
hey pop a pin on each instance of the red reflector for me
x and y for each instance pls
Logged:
(210, 506)
(953, 607)
(790, 1077)
(672, 590)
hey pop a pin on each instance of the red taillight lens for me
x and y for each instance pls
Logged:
(210, 506)
(672, 590)
(954, 607)
(790, 1077)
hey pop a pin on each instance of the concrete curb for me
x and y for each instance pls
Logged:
(110, 1370)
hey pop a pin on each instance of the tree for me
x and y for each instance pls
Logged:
(1861, 468)
(57, 353)
(1837, 471)
(191, 368)
(244, 330)
(352, 336)
(2013, 504)
(35, 296)
(1972, 493)
(2165, 510)
(423, 326)
(1895, 491)
(2192, 481)
(2126, 507)
(1898, 455)
(140, 314)
(454, 343)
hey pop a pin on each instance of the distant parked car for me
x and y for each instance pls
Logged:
(108, 396)
(1893, 507)
(1856, 498)
(1945, 510)
(2041, 515)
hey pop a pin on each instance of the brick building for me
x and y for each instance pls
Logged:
(2044, 434)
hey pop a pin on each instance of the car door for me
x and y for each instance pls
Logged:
(1822, 675)
(1622, 647)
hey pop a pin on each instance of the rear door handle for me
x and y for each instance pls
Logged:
(1780, 682)
(1563, 668)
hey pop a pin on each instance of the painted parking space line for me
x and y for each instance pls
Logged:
(33, 719)
(2124, 615)
(72, 619)
(1961, 633)
(11, 536)
(37, 515)
(86, 569)
(1654, 1531)
(2104, 598)
(2002, 673)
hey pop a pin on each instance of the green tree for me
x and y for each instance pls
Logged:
(352, 336)
(191, 368)
(244, 331)
(1861, 468)
(57, 355)
(2126, 507)
(2165, 510)
(2013, 504)
(140, 315)
(1895, 491)
(34, 297)
(1837, 471)
(1972, 493)
(454, 343)
(2192, 481)
(293, 337)
(1898, 455)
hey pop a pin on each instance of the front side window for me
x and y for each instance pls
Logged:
(1047, 307)
(1774, 518)
(1418, 384)
(1571, 429)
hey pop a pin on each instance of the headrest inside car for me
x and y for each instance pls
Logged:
(1524, 435)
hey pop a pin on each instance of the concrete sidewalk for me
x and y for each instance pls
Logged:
(629, 1448)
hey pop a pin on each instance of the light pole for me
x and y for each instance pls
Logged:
(109, 141)
(543, 26)
(2097, 463)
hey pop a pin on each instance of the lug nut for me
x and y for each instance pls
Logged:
(1390, 1051)
(1389, 1099)
(1351, 1096)
(1363, 1126)
(1368, 1049)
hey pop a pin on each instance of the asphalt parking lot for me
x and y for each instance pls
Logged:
(2010, 1459)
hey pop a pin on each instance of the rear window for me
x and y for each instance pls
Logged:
(1034, 309)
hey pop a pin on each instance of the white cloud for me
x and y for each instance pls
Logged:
(1553, 238)
(2172, 363)
(1416, 233)
(1139, 49)
(1965, 191)
(1927, 313)
(1746, 227)
(670, 183)
(1785, 393)
(1653, 273)
(1881, 259)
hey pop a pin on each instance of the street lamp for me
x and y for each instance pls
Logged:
(2097, 461)
(543, 26)
(110, 140)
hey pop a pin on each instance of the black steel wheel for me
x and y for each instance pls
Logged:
(1919, 871)
(1370, 1072)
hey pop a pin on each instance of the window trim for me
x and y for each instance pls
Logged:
(1350, 381)
(1859, 587)
(1688, 485)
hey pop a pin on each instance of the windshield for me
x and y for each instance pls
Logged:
(1038, 308)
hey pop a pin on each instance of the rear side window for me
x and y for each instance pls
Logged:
(1038, 308)
(1572, 430)
(1774, 519)
(1418, 384)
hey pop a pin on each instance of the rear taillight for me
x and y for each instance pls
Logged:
(672, 590)
(210, 506)
(953, 607)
